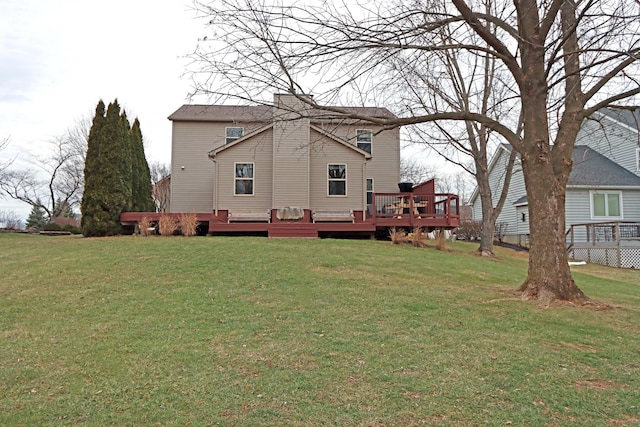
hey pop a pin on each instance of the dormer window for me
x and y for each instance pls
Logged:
(233, 133)
(364, 138)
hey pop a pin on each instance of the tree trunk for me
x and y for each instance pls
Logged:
(488, 225)
(546, 169)
(549, 276)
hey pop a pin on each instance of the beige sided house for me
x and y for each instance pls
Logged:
(284, 171)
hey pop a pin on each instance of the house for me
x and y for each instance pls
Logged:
(603, 187)
(288, 170)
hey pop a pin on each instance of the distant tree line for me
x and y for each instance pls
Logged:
(116, 173)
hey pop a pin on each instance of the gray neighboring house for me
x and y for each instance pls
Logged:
(604, 185)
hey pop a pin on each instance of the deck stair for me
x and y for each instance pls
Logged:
(283, 229)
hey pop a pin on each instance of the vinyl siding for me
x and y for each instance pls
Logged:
(291, 164)
(324, 152)
(384, 166)
(517, 189)
(522, 227)
(578, 206)
(578, 209)
(257, 150)
(612, 140)
(192, 187)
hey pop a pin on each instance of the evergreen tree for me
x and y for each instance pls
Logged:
(107, 173)
(141, 176)
(63, 210)
(117, 177)
(36, 218)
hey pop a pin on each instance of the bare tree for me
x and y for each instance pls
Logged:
(473, 82)
(54, 182)
(458, 182)
(160, 180)
(561, 61)
(4, 164)
(414, 170)
(9, 220)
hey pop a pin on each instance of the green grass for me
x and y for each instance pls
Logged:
(252, 331)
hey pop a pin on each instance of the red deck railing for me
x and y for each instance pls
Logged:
(416, 210)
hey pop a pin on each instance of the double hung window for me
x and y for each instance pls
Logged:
(233, 133)
(364, 139)
(337, 177)
(244, 174)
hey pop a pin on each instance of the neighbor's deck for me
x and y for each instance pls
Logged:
(387, 210)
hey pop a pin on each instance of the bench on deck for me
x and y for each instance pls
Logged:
(248, 215)
(333, 216)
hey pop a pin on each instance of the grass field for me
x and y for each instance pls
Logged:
(284, 332)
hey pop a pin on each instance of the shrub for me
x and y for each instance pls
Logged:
(188, 224)
(72, 229)
(144, 225)
(52, 226)
(441, 241)
(419, 238)
(469, 230)
(167, 224)
(398, 236)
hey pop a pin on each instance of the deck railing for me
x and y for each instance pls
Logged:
(417, 208)
(616, 244)
(609, 232)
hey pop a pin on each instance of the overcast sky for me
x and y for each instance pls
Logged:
(59, 58)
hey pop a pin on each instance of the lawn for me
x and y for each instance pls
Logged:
(244, 331)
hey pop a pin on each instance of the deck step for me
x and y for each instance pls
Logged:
(292, 230)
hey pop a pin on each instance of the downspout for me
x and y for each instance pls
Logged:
(364, 195)
(215, 184)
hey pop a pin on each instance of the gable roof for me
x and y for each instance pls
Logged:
(592, 169)
(629, 118)
(341, 141)
(261, 113)
(222, 113)
(214, 153)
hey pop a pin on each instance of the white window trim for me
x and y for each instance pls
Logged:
(370, 142)
(346, 177)
(606, 193)
(226, 134)
(253, 179)
(638, 159)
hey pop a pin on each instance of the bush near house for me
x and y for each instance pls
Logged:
(469, 230)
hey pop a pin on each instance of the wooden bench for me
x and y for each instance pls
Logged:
(248, 215)
(333, 216)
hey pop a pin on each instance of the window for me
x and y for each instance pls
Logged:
(369, 191)
(364, 137)
(638, 159)
(606, 205)
(337, 179)
(233, 133)
(243, 179)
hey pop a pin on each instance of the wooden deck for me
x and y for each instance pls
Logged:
(614, 244)
(388, 210)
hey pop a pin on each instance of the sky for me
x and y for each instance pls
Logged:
(59, 58)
